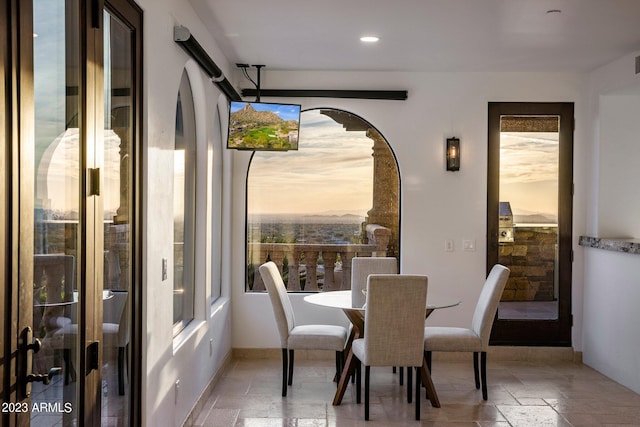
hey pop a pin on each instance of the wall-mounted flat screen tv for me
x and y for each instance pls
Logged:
(263, 126)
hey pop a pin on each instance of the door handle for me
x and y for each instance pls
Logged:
(44, 378)
(28, 347)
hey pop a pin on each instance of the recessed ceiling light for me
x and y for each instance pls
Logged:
(369, 39)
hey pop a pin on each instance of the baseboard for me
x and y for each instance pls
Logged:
(498, 353)
(276, 353)
(208, 391)
(518, 353)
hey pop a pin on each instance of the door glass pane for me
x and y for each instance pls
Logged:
(528, 217)
(57, 210)
(118, 136)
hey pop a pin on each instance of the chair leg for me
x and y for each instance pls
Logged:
(359, 382)
(367, 370)
(69, 371)
(428, 385)
(290, 367)
(476, 371)
(483, 373)
(338, 365)
(409, 382)
(401, 375)
(285, 365)
(427, 357)
(121, 371)
(394, 370)
(353, 378)
(417, 393)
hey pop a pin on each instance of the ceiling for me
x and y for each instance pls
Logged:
(424, 35)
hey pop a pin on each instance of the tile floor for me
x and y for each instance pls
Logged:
(521, 394)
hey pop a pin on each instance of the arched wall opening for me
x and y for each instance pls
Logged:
(313, 209)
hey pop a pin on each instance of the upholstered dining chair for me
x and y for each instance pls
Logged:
(115, 330)
(361, 268)
(298, 337)
(476, 338)
(115, 334)
(393, 327)
(53, 285)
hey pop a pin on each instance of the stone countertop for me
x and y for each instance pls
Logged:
(617, 244)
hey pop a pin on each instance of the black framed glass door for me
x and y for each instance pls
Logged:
(529, 217)
(69, 164)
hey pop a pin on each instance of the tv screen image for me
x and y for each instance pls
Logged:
(263, 126)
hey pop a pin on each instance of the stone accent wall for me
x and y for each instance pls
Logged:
(531, 258)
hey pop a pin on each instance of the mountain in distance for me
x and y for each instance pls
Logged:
(529, 217)
(342, 219)
(338, 212)
(321, 218)
(252, 129)
(248, 114)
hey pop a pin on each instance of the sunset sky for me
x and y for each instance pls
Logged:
(330, 173)
(529, 172)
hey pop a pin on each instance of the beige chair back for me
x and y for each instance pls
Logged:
(280, 302)
(394, 320)
(54, 276)
(116, 312)
(361, 268)
(487, 306)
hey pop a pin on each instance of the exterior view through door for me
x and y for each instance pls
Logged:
(529, 219)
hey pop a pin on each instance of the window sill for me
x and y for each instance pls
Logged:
(186, 334)
(218, 305)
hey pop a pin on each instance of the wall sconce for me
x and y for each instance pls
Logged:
(453, 154)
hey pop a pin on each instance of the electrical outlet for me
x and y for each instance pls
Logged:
(210, 347)
(177, 389)
(164, 269)
(448, 245)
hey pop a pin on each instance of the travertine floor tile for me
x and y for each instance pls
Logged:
(521, 394)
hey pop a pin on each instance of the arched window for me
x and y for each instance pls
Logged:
(184, 202)
(312, 210)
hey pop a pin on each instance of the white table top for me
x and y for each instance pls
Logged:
(106, 294)
(342, 300)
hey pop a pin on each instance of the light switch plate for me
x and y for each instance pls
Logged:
(469, 245)
(448, 245)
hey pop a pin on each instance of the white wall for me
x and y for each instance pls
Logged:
(188, 358)
(612, 280)
(436, 205)
(619, 148)
(611, 334)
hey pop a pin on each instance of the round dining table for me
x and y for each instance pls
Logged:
(342, 300)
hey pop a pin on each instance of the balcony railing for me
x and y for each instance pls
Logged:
(315, 267)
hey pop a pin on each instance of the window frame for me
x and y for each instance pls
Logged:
(187, 106)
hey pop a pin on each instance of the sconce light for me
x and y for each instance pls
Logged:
(453, 154)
